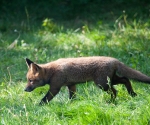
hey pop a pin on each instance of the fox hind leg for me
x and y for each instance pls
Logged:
(113, 92)
(102, 83)
(123, 80)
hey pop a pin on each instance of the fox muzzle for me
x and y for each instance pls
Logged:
(28, 89)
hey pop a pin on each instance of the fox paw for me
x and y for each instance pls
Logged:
(133, 94)
(41, 103)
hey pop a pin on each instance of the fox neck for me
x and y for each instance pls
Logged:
(47, 74)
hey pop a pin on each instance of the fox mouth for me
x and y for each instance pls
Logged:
(28, 89)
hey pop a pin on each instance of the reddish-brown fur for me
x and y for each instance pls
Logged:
(70, 71)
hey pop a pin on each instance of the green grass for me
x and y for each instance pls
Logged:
(127, 40)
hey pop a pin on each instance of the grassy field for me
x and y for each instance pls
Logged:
(125, 39)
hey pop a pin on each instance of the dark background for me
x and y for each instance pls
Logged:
(25, 15)
(70, 9)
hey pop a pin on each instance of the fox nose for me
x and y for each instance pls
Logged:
(25, 89)
(28, 89)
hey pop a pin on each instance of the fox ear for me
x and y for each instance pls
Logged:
(31, 65)
(35, 68)
(28, 62)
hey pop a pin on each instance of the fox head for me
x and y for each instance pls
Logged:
(35, 76)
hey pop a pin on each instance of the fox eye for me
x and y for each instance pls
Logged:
(31, 81)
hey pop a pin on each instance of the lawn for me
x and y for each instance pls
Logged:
(118, 35)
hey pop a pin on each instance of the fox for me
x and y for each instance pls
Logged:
(71, 71)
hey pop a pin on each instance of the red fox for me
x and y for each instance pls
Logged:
(70, 71)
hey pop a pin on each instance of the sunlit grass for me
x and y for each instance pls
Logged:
(91, 106)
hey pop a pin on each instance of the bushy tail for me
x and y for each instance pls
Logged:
(132, 74)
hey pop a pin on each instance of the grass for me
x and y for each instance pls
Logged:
(127, 40)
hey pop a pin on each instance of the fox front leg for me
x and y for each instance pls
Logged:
(50, 95)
